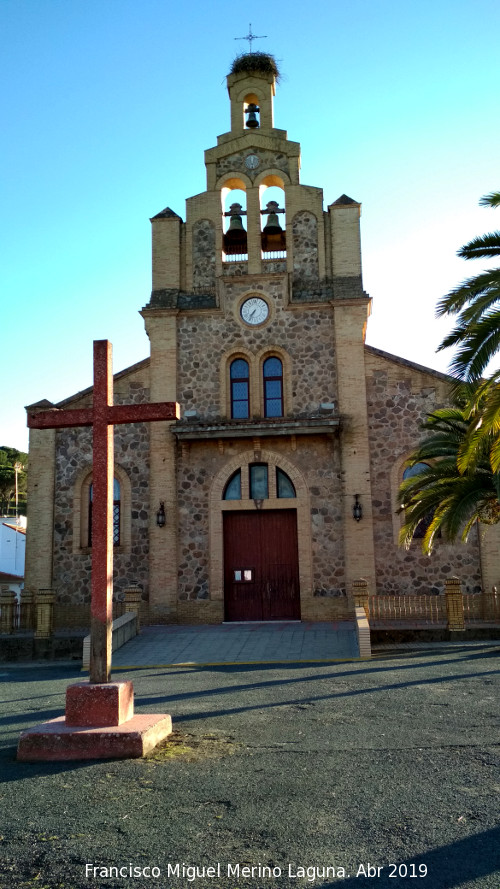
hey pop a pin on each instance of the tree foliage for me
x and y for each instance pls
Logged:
(460, 485)
(476, 304)
(9, 458)
(456, 497)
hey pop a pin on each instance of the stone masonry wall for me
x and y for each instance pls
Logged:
(399, 398)
(316, 457)
(305, 252)
(203, 256)
(71, 572)
(268, 160)
(306, 334)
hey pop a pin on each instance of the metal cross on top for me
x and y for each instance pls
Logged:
(251, 36)
(102, 416)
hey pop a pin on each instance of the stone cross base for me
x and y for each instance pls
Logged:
(99, 724)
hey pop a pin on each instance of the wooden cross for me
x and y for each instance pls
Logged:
(251, 36)
(102, 416)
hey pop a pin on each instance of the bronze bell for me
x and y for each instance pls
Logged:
(272, 226)
(252, 119)
(235, 239)
(235, 222)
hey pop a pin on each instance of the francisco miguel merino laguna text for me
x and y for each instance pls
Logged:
(192, 872)
(311, 873)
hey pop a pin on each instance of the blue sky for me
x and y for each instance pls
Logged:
(109, 105)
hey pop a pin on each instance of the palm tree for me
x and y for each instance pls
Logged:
(458, 479)
(442, 495)
(476, 302)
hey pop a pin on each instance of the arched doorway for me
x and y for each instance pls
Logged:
(260, 546)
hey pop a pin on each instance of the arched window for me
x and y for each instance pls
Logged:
(273, 387)
(420, 530)
(232, 491)
(234, 238)
(116, 512)
(252, 112)
(284, 484)
(264, 481)
(240, 386)
(273, 222)
(259, 481)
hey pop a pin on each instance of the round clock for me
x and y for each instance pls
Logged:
(254, 310)
(252, 161)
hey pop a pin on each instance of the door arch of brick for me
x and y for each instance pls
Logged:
(218, 507)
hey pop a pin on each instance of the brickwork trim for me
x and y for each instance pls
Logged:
(218, 506)
(233, 179)
(278, 352)
(256, 386)
(273, 176)
(225, 382)
(41, 489)
(489, 542)
(248, 295)
(81, 510)
(396, 477)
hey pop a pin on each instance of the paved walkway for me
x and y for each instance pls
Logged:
(261, 643)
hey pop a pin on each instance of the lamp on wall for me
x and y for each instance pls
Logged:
(357, 509)
(160, 515)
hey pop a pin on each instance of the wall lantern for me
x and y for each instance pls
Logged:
(160, 515)
(357, 509)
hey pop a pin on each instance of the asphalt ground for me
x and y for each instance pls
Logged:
(389, 764)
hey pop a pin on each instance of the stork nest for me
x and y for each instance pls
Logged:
(258, 62)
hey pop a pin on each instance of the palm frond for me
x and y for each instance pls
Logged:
(495, 458)
(483, 246)
(477, 347)
(457, 487)
(470, 290)
(490, 200)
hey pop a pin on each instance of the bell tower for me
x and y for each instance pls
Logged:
(256, 322)
(251, 95)
(255, 216)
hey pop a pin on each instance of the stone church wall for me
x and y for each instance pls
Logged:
(203, 256)
(268, 160)
(399, 398)
(316, 458)
(306, 334)
(305, 253)
(72, 562)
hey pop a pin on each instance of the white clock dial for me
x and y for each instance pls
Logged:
(254, 310)
(252, 161)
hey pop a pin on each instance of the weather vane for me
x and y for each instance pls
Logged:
(251, 36)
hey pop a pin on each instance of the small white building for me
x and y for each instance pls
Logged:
(12, 552)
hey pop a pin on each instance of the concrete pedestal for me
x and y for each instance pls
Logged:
(99, 724)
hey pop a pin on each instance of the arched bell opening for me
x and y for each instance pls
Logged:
(234, 237)
(273, 219)
(251, 112)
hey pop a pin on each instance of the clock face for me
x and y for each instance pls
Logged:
(254, 310)
(252, 161)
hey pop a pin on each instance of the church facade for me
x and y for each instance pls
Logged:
(276, 489)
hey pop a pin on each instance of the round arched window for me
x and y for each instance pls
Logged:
(273, 387)
(240, 379)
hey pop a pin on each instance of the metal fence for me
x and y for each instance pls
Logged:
(469, 609)
(432, 610)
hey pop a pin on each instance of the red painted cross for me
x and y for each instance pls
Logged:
(102, 416)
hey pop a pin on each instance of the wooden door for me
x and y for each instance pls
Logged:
(261, 568)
